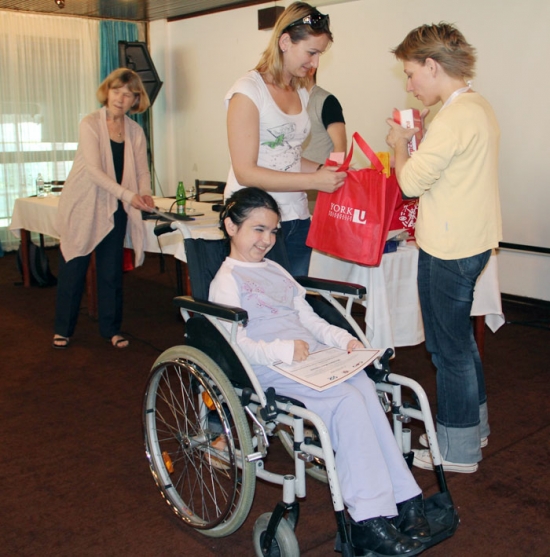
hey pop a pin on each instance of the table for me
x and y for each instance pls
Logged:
(38, 214)
(392, 313)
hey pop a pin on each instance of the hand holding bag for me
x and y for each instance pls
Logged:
(353, 222)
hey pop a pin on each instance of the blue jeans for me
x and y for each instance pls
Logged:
(446, 289)
(294, 236)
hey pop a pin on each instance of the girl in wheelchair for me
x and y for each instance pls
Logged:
(382, 498)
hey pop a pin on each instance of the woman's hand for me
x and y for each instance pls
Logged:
(142, 203)
(398, 134)
(354, 345)
(328, 179)
(148, 200)
(301, 350)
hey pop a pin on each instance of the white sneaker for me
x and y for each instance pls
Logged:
(423, 440)
(423, 459)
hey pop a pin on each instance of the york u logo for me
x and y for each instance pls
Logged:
(342, 212)
(359, 216)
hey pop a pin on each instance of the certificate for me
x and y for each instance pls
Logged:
(328, 367)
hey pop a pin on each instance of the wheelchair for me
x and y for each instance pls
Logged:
(208, 423)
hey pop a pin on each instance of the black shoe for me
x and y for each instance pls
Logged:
(411, 519)
(381, 537)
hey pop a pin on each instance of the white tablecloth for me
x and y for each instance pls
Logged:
(39, 214)
(393, 316)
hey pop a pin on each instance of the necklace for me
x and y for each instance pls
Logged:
(118, 132)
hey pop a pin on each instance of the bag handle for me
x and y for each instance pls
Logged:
(370, 154)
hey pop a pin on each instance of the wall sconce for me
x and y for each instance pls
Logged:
(60, 3)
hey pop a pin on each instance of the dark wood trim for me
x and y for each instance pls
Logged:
(524, 300)
(25, 264)
(523, 247)
(224, 8)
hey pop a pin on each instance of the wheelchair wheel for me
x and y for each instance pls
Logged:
(196, 439)
(316, 468)
(285, 543)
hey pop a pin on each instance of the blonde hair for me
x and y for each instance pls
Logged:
(119, 78)
(443, 43)
(271, 61)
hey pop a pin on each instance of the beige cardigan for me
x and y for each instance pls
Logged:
(455, 174)
(91, 192)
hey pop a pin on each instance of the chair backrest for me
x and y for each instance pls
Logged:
(211, 189)
(57, 186)
(204, 258)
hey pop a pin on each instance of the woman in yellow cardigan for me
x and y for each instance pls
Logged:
(454, 173)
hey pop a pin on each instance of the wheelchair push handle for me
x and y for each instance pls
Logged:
(170, 226)
(163, 228)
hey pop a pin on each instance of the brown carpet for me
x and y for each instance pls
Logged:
(75, 480)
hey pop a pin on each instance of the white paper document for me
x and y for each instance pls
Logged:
(328, 367)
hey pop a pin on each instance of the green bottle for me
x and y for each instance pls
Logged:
(180, 199)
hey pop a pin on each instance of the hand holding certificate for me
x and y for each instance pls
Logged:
(328, 367)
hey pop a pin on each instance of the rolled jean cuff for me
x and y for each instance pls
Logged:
(484, 429)
(461, 445)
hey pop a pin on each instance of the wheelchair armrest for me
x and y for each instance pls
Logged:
(332, 285)
(204, 307)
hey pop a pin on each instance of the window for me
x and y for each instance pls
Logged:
(50, 73)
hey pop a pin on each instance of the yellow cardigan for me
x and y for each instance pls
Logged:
(455, 175)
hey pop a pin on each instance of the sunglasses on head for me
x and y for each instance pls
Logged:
(315, 21)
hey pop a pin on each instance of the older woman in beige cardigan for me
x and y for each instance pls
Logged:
(108, 187)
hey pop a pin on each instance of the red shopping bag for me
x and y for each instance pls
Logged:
(404, 216)
(353, 222)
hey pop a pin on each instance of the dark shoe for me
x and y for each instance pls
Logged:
(411, 519)
(381, 537)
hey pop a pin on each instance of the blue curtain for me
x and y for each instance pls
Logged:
(110, 32)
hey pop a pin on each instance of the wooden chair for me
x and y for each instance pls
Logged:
(211, 189)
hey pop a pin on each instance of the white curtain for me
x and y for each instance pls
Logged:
(49, 73)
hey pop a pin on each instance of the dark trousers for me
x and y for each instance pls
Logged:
(72, 279)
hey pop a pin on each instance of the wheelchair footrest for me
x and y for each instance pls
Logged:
(442, 517)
